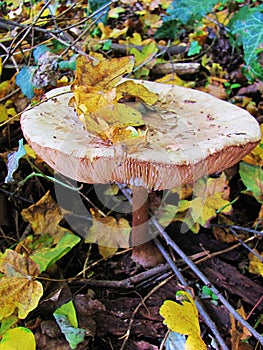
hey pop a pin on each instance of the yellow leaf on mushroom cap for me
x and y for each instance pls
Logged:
(101, 104)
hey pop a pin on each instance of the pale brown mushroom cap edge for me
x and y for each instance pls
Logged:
(201, 135)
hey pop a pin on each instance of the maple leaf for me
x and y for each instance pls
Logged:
(18, 288)
(44, 217)
(183, 318)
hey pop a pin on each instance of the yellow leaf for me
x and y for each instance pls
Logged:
(103, 75)
(18, 289)
(3, 114)
(255, 157)
(110, 233)
(136, 39)
(145, 54)
(44, 217)
(183, 318)
(115, 33)
(255, 264)
(105, 108)
(238, 332)
(30, 152)
(18, 338)
(212, 195)
(130, 88)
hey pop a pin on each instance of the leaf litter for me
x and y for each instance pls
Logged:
(51, 244)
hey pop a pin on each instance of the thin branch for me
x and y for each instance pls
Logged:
(206, 281)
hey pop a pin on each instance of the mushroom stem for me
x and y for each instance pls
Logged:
(146, 253)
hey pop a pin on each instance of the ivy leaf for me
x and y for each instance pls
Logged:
(19, 338)
(18, 288)
(183, 319)
(252, 177)
(13, 161)
(247, 24)
(66, 318)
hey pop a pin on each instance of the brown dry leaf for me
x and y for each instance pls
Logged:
(44, 217)
(18, 288)
(238, 332)
(224, 234)
(110, 234)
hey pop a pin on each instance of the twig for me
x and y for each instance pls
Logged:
(182, 280)
(128, 282)
(127, 334)
(245, 245)
(205, 280)
(239, 228)
(198, 303)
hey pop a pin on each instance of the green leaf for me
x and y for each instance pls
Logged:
(47, 256)
(252, 177)
(67, 320)
(247, 24)
(7, 323)
(194, 48)
(19, 338)
(13, 161)
(24, 81)
(186, 11)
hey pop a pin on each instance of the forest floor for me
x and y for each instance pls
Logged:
(117, 302)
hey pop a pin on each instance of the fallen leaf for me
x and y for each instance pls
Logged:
(19, 338)
(13, 161)
(238, 332)
(252, 177)
(18, 288)
(3, 114)
(130, 88)
(47, 256)
(183, 318)
(102, 106)
(44, 217)
(66, 318)
(102, 75)
(255, 157)
(109, 232)
(255, 263)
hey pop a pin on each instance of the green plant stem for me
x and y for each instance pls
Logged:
(49, 178)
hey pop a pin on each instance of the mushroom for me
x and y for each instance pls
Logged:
(190, 134)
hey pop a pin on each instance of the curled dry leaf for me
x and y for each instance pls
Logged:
(44, 217)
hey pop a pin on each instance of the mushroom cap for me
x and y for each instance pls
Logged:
(191, 134)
